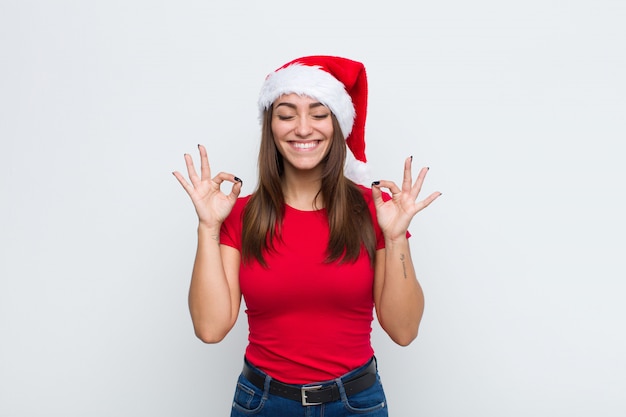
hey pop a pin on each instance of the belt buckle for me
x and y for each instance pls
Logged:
(305, 390)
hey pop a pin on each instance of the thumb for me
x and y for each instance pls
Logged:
(234, 192)
(377, 194)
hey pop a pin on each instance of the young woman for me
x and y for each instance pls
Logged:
(313, 251)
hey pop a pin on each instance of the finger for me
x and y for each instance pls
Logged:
(225, 176)
(188, 188)
(205, 168)
(407, 178)
(237, 183)
(391, 186)
(191, 170)
(417, 187)
(428, 200)
(234, 192)
(377, 194)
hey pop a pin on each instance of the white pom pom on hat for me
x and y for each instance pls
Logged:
(338, 83)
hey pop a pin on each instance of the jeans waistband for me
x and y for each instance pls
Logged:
(316, 393)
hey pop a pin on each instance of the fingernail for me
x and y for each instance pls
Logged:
(198, 145)
(238, 179)
(411, 158)
(376, 183)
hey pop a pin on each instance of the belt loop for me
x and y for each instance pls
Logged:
(342, 389)
(266, 386)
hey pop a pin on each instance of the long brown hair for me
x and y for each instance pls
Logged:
(349, 218)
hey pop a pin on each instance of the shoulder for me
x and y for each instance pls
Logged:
(367, 194)
(368, 199)
(242, 201)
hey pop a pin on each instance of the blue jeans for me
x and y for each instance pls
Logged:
(252, 401)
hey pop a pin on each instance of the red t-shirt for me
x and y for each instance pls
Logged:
(308, 320)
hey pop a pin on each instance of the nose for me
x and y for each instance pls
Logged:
(303, 127)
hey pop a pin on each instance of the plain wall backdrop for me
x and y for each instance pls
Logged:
(517, 107)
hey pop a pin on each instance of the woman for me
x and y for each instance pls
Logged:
(311, 251)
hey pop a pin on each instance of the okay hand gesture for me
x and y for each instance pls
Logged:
(395, 215)
(211, 204)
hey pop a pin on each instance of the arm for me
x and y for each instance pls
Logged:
(214, 294)
(398, 295)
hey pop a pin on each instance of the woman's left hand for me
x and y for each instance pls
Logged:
(394, 215)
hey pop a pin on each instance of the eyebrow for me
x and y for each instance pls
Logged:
(293, 106)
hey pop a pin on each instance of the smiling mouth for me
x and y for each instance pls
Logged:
(305, 145)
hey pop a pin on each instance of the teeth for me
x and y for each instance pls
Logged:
(304, 145)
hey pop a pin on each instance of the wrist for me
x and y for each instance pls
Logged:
(209, 229)
(396, 240)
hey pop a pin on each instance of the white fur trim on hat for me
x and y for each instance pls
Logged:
(314, 82)
(356, 170)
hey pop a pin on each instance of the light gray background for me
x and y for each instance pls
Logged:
(518, 108)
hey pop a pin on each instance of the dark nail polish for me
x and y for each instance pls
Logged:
(238, 179)
(376, 183)
(411, 158)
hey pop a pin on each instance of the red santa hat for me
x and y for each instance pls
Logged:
(338, 83)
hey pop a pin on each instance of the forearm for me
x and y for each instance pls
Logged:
(401, 302)
(210, 296)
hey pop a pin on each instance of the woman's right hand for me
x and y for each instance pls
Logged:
(211, 204)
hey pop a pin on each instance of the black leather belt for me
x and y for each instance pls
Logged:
(315, 394)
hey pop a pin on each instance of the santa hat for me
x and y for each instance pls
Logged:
(338, 83)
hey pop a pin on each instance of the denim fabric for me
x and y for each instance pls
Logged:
(252, 401)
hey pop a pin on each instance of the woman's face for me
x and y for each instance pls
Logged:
(303, 131)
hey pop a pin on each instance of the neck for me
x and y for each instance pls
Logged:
(302, 192)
